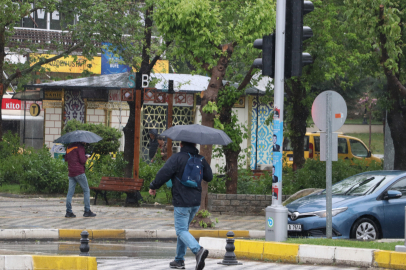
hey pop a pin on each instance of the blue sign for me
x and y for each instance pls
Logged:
(270, 222)
(109, 62)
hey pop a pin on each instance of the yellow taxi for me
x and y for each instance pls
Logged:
(348, 148)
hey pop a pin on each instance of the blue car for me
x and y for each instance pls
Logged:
(369, 205)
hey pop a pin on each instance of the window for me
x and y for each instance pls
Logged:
(342, 146)
(358, 149)
(287, 146)
(400, 186)
(316, 143)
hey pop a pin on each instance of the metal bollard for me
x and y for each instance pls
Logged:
(229, 257)
(84, 244)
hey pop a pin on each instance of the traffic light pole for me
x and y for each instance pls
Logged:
(277, 214)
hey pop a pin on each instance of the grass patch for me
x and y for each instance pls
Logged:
(10, 188)
(345, 243)
(354, 121)
(377, 142)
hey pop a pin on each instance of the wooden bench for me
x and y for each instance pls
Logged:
(120, 184)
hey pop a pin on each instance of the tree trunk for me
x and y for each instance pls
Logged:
(129, 141)
(215, 84)
(298, 123)
(232, 171)
(145, 69)
(2, 55)
(397, 125)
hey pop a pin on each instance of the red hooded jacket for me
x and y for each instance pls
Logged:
(76, 158)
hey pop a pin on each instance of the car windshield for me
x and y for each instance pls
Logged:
(360, 184)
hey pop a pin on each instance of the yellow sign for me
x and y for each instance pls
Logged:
(53, 95)
(161, 66)
(68, 64)
(35, 109)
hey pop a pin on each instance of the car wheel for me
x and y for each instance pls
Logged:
(365, 229)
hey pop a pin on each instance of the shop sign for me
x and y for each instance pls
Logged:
(68, 64)
(10, 104)
(53, 95)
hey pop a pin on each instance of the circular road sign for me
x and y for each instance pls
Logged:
(338, 110)
(35, 109)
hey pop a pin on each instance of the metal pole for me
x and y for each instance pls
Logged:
(329, 219)
(277, 215)
(256, 136)
(279, 83)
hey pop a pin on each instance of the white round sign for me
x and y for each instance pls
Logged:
(338, 110)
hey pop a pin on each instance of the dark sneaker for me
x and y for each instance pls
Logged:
(201, 255)
(70, 214)
(177, 264)
(89, 214)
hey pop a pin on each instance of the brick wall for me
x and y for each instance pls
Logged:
(52, 125)
(95, 116)
(239, 204)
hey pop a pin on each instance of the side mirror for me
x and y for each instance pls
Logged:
(392, 194)
(369, 154)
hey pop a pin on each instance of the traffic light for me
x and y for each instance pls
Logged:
(267, 62)
(296, 33)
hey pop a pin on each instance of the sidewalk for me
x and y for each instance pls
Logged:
(49, 213)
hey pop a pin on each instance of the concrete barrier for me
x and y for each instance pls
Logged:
(28, 262)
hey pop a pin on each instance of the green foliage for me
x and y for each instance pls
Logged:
(111, 136)
(104, 165)
(43, 173)
(204, 213)
(148, 171)
(313, 174)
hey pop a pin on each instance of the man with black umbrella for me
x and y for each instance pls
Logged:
(76, 158)
(186, 199)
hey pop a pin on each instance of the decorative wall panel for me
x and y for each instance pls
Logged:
(155, 117)
(265, 134)
(74, 106)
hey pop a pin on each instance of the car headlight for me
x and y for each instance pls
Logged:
(334, 212)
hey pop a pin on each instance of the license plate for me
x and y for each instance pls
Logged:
(290, 158)
(295, 227)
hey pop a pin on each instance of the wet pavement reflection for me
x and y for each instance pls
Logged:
(99, 249)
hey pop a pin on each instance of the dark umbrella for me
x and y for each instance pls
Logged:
(197, 134)
(79, 136)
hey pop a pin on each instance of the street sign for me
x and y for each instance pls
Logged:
(35, 109)
(338, 111)
(329, 112)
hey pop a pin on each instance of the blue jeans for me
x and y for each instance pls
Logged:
(82, 181)
(183, 217)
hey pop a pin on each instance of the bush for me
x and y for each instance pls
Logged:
(313, 174)
(148, 172)
(246, 183)
(43, 173)
(111, 136)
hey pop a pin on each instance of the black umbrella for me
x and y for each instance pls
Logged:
(79, 136)
(197, 134)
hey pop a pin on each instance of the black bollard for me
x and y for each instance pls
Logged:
(84, 244)
(229, 257)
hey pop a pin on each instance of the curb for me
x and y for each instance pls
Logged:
(311, 254)
(33, 262)
(129, 234)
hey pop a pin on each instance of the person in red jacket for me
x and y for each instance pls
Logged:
(76, 158)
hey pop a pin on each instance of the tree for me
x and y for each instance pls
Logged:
(382, 24)
(210, 35)
(96, 21)
(140, 49)
(338, 57)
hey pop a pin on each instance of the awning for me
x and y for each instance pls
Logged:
(28, 95)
